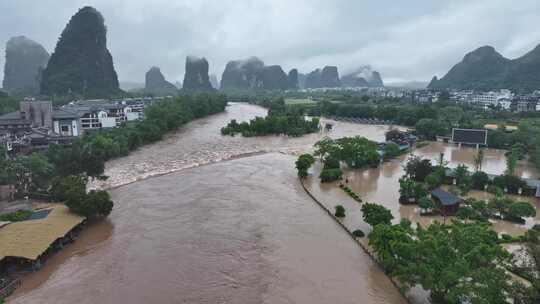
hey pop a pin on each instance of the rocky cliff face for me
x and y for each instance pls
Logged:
(156, 84)
(486, 69)
(25, 61)
(292, 80)
(196, 77)
(252, 74)
(81, 62)
(328, 77)
(376, 80)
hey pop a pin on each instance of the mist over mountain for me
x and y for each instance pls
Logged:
(214, 81)
(156, 84)
(131, 86)
(81, 62)
(363, 77)
(196, 77)
(486, 69)
(253, 74)
(25, 61)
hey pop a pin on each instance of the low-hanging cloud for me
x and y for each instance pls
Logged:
(411, 40)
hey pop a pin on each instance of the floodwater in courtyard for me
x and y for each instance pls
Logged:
(381, 185)
(237, 231)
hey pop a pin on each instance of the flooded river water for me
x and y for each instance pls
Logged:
(238, 231)
(235, 231)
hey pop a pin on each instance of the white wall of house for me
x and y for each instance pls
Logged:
(132, 116)
(107, 122)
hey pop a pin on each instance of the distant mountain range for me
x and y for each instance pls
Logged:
(486, 69)
(81, 64)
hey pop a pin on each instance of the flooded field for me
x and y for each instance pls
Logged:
(236, 231)
(381, 185)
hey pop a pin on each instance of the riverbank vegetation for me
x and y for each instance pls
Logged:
(280, 121)
(63, 172)
(16, 216)
(350, 192)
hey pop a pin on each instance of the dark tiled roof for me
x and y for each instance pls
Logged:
(446, 198)
(11, 115)
(64, 114)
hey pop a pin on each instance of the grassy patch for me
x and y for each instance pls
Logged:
(422, 144)
(16, 216)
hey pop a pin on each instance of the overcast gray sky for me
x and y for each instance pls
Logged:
(412, 40)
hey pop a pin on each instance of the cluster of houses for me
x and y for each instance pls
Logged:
(502, 99)
(37, 124)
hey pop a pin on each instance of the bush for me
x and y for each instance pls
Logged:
(340, 211)
(330, 175)
(16, 216)
(495, 190)
(506, 237)
(510, 182)
(331, 163)
(433, 180)
(358, 233)
(93, 204)
(426, 204)
(303, 164)
(517, 211)
(479, 180)
(64, 187)
(391, 150)
(374, 214)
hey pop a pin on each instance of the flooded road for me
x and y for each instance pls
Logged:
(239, 231)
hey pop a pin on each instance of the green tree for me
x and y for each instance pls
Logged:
(434, 180)
(62, 188)
(518, 210)
(457, 262)
(451, 114)
(340, 211)
(93, 204)
(418, 168)
(478, 160)
(303, 164)
(500, 205)
(330, 175)
(511, 163)
(376, 214)
(430, 128)
(479, 180)
(426, 204)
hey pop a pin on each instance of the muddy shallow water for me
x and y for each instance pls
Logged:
(238, 231)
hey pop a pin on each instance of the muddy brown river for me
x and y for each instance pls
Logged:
(224, 220)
